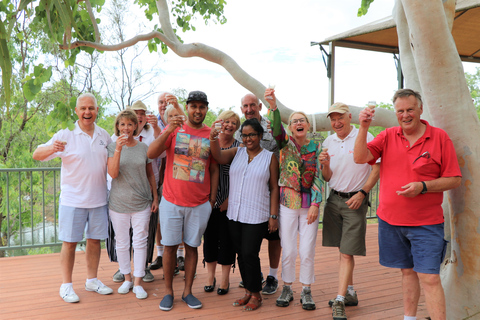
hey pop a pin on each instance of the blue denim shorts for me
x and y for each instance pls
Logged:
(420, 247)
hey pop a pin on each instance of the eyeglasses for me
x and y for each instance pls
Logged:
(425, 155)
(301, 120)
(250, 135)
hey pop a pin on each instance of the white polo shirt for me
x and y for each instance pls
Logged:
(347, 176)
(83, 180)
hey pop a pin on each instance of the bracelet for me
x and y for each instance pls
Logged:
(315, 204)
(364, 192)
(117, 150)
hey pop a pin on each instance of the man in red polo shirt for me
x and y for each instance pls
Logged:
(418, 163)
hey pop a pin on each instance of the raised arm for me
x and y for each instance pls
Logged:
(221, 156)
(41, 153)
(158, 146)
(278, 132)
(361, 154)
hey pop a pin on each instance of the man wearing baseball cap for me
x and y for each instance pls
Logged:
(189, 192)
(344, 220)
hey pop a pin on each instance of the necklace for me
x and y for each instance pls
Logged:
(251, 157)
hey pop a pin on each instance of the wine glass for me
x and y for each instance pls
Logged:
(218, 127)
(181, 117)
(371, 105)
(270, 86)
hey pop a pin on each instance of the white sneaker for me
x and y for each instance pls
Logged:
(98, 287)
(68, 295)
(125, 287)
(139, 292)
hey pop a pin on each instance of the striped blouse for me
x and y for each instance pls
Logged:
(249, 200)
(224, 179)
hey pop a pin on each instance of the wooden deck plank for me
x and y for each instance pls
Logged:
(29, 290)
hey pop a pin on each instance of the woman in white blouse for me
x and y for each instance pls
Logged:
(252, 206)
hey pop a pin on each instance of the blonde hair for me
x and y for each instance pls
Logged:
(227, 114)
(167, 111)
(297, 112)
(129, 115)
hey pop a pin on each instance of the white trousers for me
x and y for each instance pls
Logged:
(121, 223)
(293, 223)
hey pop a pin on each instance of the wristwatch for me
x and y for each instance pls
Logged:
(274, 216)
(424, 190)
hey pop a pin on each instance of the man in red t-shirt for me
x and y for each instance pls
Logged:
(418, 164)
(189, 192)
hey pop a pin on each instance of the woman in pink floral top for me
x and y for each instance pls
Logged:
(300, 196)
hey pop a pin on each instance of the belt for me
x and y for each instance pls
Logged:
(345, 194)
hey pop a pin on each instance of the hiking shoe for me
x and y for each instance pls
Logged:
(118, 276)
(192, 302)
(350, 300)
(181, 263)
(140, 293)
(176, 271)
(338, 310)
(270, 286)
(125, 287)
(148, 277)
(98, 287)
(157, 264)
(240, 284)
(306, 300)
(68, 295)
(285, 297)
(167, 303)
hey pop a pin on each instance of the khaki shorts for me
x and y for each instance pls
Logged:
(343, 227)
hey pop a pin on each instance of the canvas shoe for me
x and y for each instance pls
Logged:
(125, 287)
(68, 295)
(167, 303)
(140, 293)
(98, 286)
(192, 302)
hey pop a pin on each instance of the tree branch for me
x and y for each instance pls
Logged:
(94, 22)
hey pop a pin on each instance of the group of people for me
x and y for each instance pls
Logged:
(237, 183)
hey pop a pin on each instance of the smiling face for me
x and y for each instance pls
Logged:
(196, 110)
(162, 105)
(250, 138)
(299, 125)
(86, 111)
(126, 126)
(251, 107)
(230, 125)
(408, 114)
(171, 114)
(341, 123)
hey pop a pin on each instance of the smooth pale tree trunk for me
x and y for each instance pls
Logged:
(425, 35)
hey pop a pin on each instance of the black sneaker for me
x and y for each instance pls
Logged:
(176, 271)
(270, 286)
(181, 263)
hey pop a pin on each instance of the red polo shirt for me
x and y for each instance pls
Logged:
(430, 157)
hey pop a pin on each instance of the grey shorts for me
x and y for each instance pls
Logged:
(73, 222)
(190, 222)
(343, 227)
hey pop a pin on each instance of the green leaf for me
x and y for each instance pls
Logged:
(5, 64)
(364, 7)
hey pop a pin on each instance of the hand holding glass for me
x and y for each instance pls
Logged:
(270, 86)
(180, 117)
(218, 127)
(371, 105)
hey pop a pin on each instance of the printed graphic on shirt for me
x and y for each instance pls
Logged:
(191, 156)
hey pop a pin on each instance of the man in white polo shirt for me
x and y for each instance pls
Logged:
(83, 197)
(344, 219)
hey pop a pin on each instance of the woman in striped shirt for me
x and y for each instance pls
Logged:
(217, 246)
(252, 204)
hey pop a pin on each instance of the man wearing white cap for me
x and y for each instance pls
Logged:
(344, 220)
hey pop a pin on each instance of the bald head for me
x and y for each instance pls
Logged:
(251, 106)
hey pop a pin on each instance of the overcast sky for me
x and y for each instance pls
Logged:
(270, 40)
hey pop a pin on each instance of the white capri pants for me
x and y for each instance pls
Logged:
(293, 223)
(121, 225)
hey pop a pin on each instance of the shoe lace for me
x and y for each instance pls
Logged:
(285, 293)
(307, 297)
(338, 310)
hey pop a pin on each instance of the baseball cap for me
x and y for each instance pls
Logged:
(197, 96)
(138, 105)
(338, 107)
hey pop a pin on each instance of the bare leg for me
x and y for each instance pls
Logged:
(191, 260)
(345, 273)
(274, 253)
(434, 295)
(169, 263)
(158, 236)
(211, 266)
(67, 260)
(411, 291)
(93, 257)
(225, 276)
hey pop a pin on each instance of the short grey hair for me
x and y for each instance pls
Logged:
(86, 95)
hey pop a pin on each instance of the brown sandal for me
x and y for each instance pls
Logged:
(243, 301)
(252, 307)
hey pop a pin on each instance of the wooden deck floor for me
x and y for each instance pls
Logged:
(29, 290)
